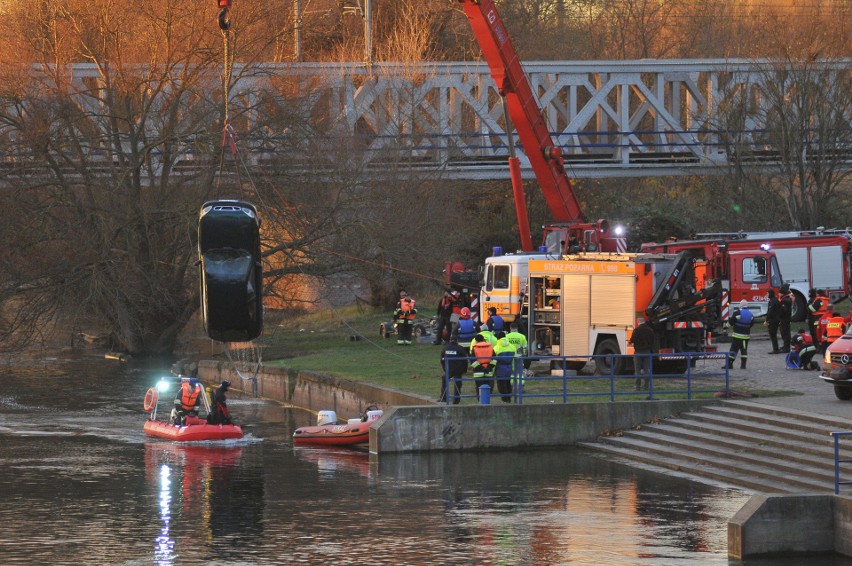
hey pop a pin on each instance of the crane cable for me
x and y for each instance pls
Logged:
(228, 134)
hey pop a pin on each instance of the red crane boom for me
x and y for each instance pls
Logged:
(521, 105)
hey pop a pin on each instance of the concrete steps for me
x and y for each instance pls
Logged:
(743, 444)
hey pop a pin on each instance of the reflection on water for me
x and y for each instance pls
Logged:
(84, 485)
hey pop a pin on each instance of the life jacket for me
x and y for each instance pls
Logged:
(496, 323)
(189, 395)
(483, 352)
(834, 328)
(467, 330)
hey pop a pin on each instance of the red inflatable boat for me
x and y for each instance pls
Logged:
(192, 428)
(328, 433)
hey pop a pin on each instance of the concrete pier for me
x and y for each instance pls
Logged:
(788, 525)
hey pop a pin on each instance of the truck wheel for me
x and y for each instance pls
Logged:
(800, 308)
(568, 364)
(602, 363)
(843, 393)
(672, 367)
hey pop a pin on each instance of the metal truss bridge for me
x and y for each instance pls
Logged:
(611, 118)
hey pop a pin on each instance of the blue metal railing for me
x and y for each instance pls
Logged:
(837, 461)
(677, 375)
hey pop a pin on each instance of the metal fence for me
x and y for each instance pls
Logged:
(836, 436)
(683, 375)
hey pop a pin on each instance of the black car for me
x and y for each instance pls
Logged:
(231, 272)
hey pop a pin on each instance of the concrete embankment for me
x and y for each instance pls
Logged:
(415, 424)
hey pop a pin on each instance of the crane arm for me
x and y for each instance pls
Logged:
(544, 155)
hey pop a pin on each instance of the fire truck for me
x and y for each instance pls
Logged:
(744, 269)
(520, 107)
(589, 304)
(812, 259)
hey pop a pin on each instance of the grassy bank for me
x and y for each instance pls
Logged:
(347, 343)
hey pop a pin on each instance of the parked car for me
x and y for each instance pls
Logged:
(837, 369)
(421, 327)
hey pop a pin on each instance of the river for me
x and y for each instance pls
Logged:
(83, 485)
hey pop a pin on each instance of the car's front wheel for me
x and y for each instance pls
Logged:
(842, 392)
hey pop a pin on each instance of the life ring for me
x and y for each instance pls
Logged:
(151, 398)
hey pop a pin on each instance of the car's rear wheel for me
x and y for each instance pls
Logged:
(842, 392)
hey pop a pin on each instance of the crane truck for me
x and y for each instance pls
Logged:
(610, 290)
(521, 109)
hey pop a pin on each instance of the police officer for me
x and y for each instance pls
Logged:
(453, 365)
(505, 365)
(741, 323)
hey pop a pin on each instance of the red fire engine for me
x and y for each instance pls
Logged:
(815, 259)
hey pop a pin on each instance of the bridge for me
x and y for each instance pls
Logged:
(611, 118)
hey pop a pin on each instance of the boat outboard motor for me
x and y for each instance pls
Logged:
(231, 270)
(326, 417)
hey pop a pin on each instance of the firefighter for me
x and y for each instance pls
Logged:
(187, 401)
(467, 328)
(483, 363)
(741, 323)
(785, 317)
(835, 327)
(454, 363)
(816, 309)
(404, 316)
(804, 347)
(444, 327)
(773, 319)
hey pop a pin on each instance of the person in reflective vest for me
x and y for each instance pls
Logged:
(505, 353)
(741, 323)
(816, 309)
(519, 341)
(404, 319)
(482, 366)
(835, 327)
(453, 365)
